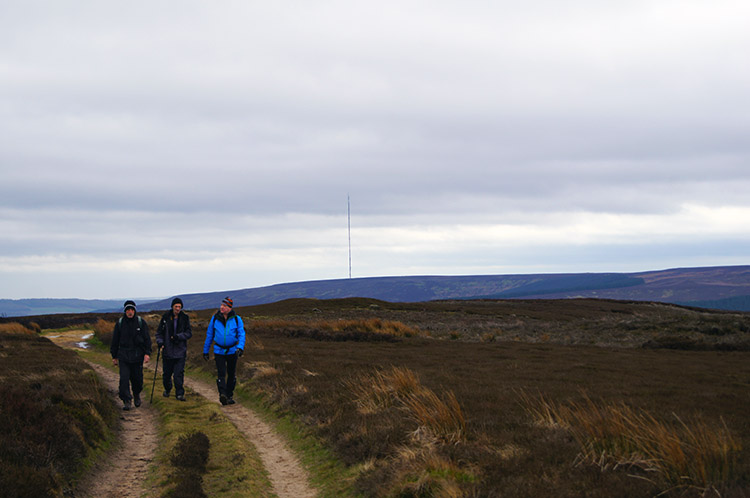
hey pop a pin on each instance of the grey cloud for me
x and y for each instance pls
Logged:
(425, 113)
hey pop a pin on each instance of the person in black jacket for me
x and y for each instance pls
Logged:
(130, 349)
(172, 335)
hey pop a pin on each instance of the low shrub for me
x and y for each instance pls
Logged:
(103, 331)
(190, 457)
(53, 418)
(191, 452)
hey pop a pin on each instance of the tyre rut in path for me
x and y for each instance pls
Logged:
(287, 475)
(123, 472)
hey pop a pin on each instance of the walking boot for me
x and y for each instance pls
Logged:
(180, 397)
(230, 400)
(126, 405)
(165, 394)
(220, 386)
(137, 400)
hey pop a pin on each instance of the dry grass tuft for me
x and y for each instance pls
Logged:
(103, 331)
(351, 327)
(614, 435)
(379, 390)
(442, 417)
(382, 389)
(423, 471)
(263, 369)
(14, 328)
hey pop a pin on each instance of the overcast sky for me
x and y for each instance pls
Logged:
(163, 147)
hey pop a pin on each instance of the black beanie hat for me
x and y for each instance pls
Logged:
(129, 304)
(177, 300)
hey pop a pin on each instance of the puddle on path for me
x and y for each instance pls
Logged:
(76, 339)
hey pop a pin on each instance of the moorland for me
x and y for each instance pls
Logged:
(519, 398)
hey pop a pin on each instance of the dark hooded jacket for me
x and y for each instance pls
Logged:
(130, 340)
(174, 340)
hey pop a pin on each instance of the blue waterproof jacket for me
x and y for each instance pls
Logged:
(228, 336)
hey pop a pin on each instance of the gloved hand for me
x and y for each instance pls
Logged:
(172, 338)
(240, 351)
(159, 345)
(205, 356)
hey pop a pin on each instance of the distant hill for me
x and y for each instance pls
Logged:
(720, 287)
(30, 307)
(725, 287)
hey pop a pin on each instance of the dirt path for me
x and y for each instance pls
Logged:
(123, 472)
(286, 473)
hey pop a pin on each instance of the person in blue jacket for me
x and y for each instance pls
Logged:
(227, 333)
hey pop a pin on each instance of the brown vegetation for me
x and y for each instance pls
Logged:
(426, 399)
(53, 411)
(674, 455)
(369, 329)
(103, 330)
(475, 358)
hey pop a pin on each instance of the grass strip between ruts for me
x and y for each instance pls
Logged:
(234, 466)
(328, 476)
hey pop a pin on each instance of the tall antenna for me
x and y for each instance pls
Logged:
(349, 231)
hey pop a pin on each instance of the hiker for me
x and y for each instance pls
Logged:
(227, 332)
(130, 349)
(171, 338)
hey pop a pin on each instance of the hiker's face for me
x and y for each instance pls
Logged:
(177, 308)
(130, 312)
(224, 309)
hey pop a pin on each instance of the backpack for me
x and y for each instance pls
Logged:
(139, 340)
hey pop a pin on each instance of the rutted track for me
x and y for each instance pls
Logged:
(286, 474)
(123, 472)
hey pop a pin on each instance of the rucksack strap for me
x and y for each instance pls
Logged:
(140, 322)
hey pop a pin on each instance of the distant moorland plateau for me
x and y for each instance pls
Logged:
(720, 287)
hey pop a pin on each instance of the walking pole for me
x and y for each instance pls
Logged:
(158, 352)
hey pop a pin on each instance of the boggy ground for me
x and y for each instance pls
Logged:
(539, 348)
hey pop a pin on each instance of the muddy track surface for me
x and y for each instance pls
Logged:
(123, 472)
(286, 474)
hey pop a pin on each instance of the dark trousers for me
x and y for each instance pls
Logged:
(130, 373)
(226, 368)
(174, 367)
